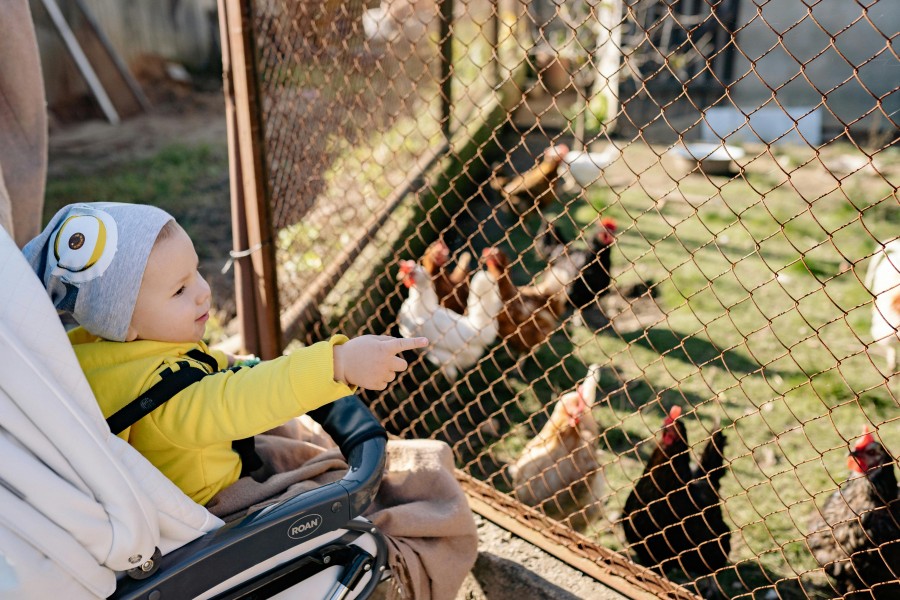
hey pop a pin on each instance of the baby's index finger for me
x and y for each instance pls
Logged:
(402, 344)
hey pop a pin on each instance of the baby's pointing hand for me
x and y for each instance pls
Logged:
(371, 361)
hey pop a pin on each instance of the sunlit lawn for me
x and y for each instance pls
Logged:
(764, 330)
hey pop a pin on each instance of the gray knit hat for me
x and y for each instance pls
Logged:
(91, 258)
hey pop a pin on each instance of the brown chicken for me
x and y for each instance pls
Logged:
(451, 286)
(558, 470)
(535, 187)
(528, 317)
(673, 516)
(855, 536)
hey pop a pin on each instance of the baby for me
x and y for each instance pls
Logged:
(127, 274)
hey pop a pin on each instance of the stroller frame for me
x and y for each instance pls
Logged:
(275, 530)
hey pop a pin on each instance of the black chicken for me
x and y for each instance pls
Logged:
(550, 240)
(855, 536)
(595, 278)
(673, 516)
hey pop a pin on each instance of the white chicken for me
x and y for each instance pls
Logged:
(581, 169)
(883, 281)
(558, 470)
(391, 22)
(456, 341)
(378, 25)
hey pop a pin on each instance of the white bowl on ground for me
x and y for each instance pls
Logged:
(582, 168)
(713, 159)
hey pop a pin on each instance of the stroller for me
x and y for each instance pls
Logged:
(86, 516)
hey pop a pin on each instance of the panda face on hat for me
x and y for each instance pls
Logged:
(83, 246)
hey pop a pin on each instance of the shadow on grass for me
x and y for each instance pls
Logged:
(749, 579)
(692, 350)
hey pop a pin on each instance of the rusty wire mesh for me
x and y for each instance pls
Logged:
(726, 280)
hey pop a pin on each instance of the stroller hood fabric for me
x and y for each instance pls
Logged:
(78, 503)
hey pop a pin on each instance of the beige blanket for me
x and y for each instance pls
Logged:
(420, 507)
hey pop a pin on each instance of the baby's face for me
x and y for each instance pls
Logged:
(173, 303)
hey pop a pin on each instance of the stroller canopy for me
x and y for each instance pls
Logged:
(79, 504)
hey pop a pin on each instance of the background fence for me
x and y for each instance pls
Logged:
(730, 178)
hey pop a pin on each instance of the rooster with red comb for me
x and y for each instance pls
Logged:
(584, 275)
(673, 517)
(855, 536)
(456, 341)
(595, 279)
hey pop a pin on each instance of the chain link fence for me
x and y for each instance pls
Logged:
(663, 230)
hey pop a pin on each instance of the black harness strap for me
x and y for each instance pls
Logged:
(205, 358)
(251, 463)
(172, 383)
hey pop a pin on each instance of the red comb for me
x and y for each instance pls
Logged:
(866, 439)
(609, 223)
(674, 413)
(407, 266)
(492, 254)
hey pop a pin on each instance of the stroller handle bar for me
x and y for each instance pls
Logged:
(199, 565)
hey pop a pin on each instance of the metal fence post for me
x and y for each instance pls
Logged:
(445, 38)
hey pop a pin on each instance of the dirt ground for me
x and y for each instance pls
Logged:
(198, 118)
(511, 568)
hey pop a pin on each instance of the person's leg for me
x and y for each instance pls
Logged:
(23, 125)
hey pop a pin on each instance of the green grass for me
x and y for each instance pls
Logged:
(190, 182)
(764, 330)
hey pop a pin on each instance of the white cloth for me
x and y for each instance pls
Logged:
(83, 500)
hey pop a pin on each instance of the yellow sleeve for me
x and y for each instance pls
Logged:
(232, 405)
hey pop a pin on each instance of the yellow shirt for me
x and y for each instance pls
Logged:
(189, 437)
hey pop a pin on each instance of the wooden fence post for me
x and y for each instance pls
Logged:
(257, 289)
(445, 42)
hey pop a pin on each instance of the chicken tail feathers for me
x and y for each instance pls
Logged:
(497, 182)
(550, 240)
(713, 458)
(462, 265)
